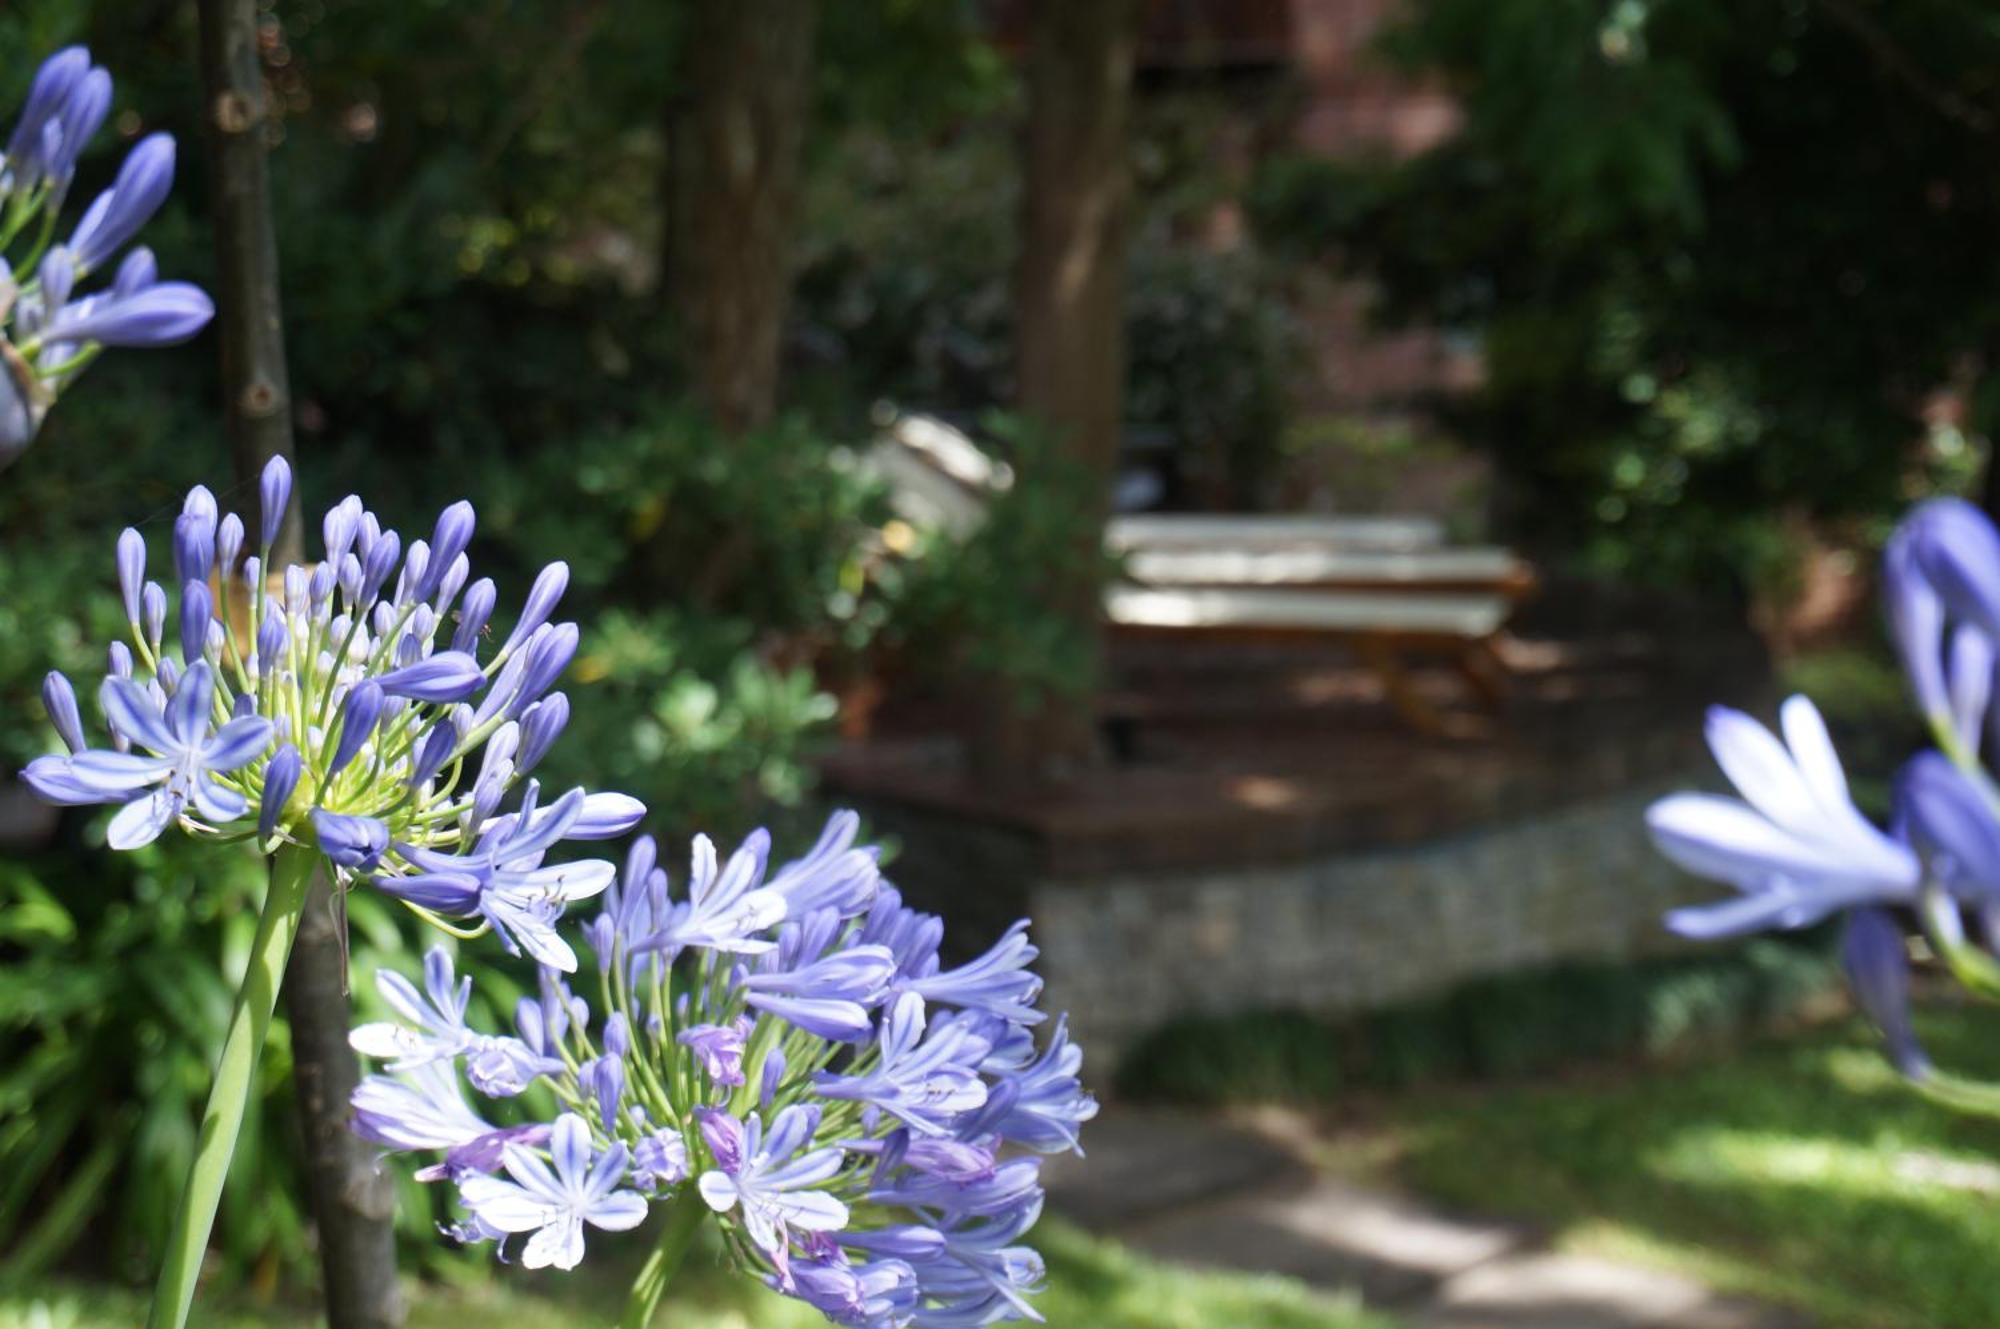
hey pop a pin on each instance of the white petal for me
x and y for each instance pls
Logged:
(505, 1206)
(535, 937)
(719, 1189)
(1762, 771)
(141, 821)
(386, 1041)
(559, 1245)
(619, 1211)
(1726, 840)
(563, 881)
(815, 1211)
(1812, 750)
(218, 803)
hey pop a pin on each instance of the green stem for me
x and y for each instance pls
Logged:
(684, 1215)
(235, 1085)
(1970, 1097)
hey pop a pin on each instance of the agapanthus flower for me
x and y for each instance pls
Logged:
(50, 327)
(780, 1053)
(1794, 843)
(318, 705)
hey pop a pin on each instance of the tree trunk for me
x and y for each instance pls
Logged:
(735, 139)
(1070, 326)
(352, 1201)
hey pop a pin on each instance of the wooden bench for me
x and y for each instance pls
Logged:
(1388, 587)
(1383, 630)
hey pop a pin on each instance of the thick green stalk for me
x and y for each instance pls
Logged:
(235, 1084)
(684, 1215)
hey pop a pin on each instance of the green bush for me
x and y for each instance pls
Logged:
(1500, 1028)
(979, 610)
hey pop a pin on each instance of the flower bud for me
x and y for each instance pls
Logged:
(381, 561)
(358, 715)
(274, 492)
(343, 521)
(541, 724)
(606, 816)
(56, 84)
(273, 636)
(410, 581)
(139, 270)
(153, 602)
(774, 1075)
(547, 659)
(1878, 970)
(452, 583)
(194, 546)
(350, 580)
(59, 700)
(131, 570)
(447, 676)
(543, 597)
(228, 542)
(435, 752)
(473, 615)
(319, 587)
(116, 215)
(77, 123)
(448, 541)
(58, 278)
(281, 777)
(355, 843)
(197, 611)
(160, 315)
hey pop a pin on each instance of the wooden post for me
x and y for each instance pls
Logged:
(353, 1202)
(735, 139)
(1070, 287)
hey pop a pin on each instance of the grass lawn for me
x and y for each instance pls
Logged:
(1801, 1171)
(1093, 1284)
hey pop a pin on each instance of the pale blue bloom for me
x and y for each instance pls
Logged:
(187, 756)
(922, 1081)
(554, 1205)
(1794, 844)
(772, 1182)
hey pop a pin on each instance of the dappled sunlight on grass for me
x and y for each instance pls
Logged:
(1799, 1171)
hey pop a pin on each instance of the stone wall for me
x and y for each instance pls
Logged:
(1125, 953)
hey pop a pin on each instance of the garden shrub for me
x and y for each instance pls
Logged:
(1498, 1028)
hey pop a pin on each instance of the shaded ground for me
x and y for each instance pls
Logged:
(1801, 1171)
(1198, 1192)
(1795, 1173)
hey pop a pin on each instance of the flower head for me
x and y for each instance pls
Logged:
(50, 328)
(783, 1049)
(340, 721)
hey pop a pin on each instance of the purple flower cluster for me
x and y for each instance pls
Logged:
(785, 1049)
(1794, 845)
(50, 327)
(343, 705)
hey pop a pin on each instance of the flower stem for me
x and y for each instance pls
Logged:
(235, 1085)
(684, 1215)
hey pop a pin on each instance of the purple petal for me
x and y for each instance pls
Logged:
(133, 715)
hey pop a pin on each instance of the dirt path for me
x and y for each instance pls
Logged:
(1199, 1191)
